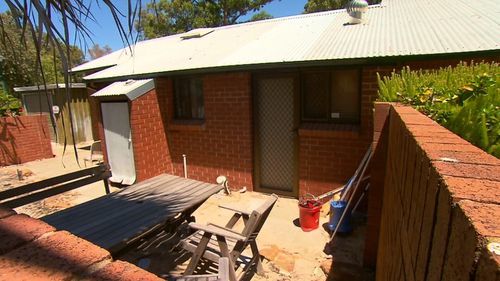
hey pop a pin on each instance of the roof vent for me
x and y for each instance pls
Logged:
(356, 9)
(197, 33)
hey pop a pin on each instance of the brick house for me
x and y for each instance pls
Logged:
(282, 105)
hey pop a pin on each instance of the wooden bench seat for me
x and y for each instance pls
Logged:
(36, 191)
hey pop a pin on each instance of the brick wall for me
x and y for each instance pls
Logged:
(222, 145)
(34, 250)
(151, 151)
(376, 193)
(378, 167)
(329, 156)
(149, 140)
(440, 204)
(24, 139)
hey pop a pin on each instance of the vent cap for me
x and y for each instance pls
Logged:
(356, 9)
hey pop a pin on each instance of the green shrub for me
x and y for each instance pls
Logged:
(464, 99)
(9, 105)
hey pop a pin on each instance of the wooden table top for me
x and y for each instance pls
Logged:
(115, 219)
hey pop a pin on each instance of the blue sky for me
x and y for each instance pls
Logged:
(105, 32)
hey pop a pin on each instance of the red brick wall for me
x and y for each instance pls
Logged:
(438, 214)
(376, 187)
(24, 139)
(222, 145)
(34, 250)
(376, 192)
(149, 139)
(329, 157)
(151, 151)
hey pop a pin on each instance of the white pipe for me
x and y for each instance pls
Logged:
(184, 162)
(353, 179)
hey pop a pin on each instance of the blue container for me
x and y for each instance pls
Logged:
(336, 210)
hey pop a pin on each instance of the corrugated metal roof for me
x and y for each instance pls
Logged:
(395, 28)
(132, 89)
(49, 87)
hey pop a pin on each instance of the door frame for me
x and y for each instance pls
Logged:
(256, 142)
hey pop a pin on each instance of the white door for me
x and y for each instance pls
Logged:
(118, 138)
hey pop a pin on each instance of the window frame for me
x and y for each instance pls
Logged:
(177, 81)
(329, 119)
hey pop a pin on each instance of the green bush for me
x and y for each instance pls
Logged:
(9, 105)
(464, 99)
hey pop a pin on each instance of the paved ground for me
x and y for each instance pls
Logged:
(290, 253)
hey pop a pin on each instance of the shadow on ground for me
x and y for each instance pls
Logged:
(347, 253)
(162, 254)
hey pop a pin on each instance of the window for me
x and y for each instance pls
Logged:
(331, 96)
(188, 99)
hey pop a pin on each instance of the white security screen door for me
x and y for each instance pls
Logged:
(276, 139)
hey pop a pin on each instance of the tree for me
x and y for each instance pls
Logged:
(36, 20)
(313, 6)
(9, 105)
(96, 51)
(263, 15)
(21, 66)
(166, 17)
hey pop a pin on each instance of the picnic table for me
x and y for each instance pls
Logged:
(121, 218)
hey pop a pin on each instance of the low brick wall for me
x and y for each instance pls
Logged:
(33, 250)
(440, 205)
(24, 139)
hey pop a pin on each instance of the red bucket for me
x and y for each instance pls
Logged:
(309, 214)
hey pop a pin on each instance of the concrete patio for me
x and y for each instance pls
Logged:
(289, 253)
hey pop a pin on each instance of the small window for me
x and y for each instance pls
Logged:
(331, 96)
(188, 99)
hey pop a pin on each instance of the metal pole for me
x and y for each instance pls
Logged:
(351, 198)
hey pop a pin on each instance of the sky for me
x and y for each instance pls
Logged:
(104, 30)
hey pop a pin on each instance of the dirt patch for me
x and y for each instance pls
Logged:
(12, 177)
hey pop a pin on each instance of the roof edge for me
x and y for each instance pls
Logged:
(49, 87)
(299, 64)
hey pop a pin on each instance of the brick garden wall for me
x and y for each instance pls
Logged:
(222, 145)
(378, 161)
(34, 250)
(440, 203)
(376, 193)
(24, 139)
